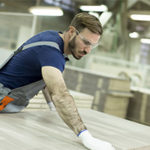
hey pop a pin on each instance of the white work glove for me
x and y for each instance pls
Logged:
(51, 106)
(93, 143)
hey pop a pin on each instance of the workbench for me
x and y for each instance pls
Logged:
(44, 130)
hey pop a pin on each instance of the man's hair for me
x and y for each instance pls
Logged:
(85, 20)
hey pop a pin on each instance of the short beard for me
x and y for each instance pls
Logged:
(72, 46)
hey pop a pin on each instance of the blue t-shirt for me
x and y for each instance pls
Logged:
(25, 67)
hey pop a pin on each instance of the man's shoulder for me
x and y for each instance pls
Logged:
(48, 35)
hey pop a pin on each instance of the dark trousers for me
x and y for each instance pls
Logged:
(20, 96)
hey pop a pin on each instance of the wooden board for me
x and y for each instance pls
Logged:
(37, 130)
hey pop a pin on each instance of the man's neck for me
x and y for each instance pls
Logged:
(65, 38)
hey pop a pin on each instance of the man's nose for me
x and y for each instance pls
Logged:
(87, 50)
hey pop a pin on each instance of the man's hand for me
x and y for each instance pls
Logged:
(93, 143)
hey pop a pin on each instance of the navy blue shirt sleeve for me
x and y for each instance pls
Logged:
(50, 57)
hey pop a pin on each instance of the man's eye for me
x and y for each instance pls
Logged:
(87, 42)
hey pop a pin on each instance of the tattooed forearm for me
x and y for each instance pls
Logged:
(67, 109)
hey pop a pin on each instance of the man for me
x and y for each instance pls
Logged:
(39, 63)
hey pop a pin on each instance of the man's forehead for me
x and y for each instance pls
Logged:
(90, 36)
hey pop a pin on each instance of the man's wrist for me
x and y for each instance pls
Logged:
(81, 132)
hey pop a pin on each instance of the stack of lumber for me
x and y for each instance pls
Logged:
(82, 101)
(139, 106)
(111, 94)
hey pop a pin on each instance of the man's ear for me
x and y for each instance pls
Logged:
(72, 31)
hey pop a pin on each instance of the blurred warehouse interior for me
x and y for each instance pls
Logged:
(124, 50)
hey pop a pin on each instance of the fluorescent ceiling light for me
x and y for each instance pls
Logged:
(94, 14)
(104, 17)
(140, 17)
(133, 35)
(98, 8)
(46, 10)
(146, 41)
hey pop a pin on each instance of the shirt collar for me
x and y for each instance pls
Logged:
(66, 57)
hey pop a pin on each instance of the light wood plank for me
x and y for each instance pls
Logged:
(36, 130)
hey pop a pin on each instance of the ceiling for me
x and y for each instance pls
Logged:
(73, 5)
(23, 5)
(142, 27)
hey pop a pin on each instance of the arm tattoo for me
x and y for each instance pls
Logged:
(67, 109)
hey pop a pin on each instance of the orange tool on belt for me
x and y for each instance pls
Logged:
(5, 101)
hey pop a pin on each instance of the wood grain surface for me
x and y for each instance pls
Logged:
(44, 130)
